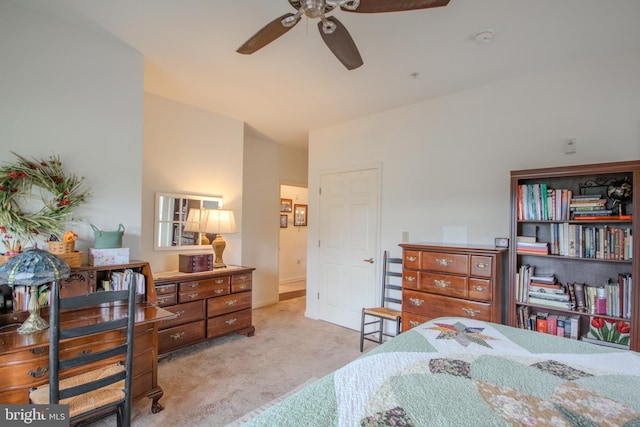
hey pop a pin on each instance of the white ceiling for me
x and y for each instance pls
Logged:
(296, 84)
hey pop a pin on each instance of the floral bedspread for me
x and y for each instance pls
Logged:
(462, 372)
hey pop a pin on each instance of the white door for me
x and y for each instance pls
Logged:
(348, 254)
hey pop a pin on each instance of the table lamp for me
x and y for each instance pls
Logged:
(195, 225)
(218, 221)
(32, 268)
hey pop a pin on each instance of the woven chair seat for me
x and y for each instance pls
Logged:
(384, 312)
(88, 401)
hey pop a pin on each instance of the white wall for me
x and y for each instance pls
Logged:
(266, 165)
(191, 151)
(293, 239)
(70, 93)
(446, 162)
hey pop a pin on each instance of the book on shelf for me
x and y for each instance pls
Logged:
(552, 324)
(544, 278)
(548, 296)
(564, 305)
(574, 321)
(533, 247)
(537, 287)
(560, 326)
(581, 301)
(541, 322)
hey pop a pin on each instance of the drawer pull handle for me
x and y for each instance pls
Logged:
(243, 277)
(481, 265)
(193, 285)
(470, 312)
(441, 283)
(242, 287)
(232, 302)
(443, 262)
(192, 296)
(219, 281)
(179, 313)
(231, 321)
(163, 300)
(416, 301)
(479, 288)
(85, 351)
(411, 258)
(177, 336)
(219, 291)
(409, 278)
(39, 372)
(38, 350)
(413, 323)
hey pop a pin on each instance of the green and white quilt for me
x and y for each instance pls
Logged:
(464, 372)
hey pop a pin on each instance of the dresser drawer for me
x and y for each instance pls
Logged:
(480, 289)
(481, 266)
(228, 323)
(240, 283)
(432, 306)
(443, 284)
(228, 303)
(165, 300)
(445, 262)
(166, 289)
(411, 259)
(411, 320)
(410, 279)
(191, 291)
(178, 336)
(187, 312)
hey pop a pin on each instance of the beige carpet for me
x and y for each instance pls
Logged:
(217, 382)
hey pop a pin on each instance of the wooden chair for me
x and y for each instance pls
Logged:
(383, 313)
(101, 391)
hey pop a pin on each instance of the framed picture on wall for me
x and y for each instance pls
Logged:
(285, 205)
(284, 220)
(300, 215)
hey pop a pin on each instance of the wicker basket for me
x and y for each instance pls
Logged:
(59, 248)
(3, 259)
(74, 259)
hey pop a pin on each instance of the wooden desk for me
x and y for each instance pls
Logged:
(24, 359)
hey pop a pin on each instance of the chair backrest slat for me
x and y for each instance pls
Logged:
(94, 298)
(387, 274)
(93, 385)
(84, 359)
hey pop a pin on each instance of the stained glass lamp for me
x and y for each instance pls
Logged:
(32, 268)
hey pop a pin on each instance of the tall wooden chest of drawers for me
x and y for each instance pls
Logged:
(208, 304)
(451, 280)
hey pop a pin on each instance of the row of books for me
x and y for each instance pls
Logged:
(549, 323)
(611, 299)
(536, 202)
(596, 242)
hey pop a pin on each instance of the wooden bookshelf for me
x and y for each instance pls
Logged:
(594, 268)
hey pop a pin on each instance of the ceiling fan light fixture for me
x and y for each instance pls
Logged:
(290, 21)
(327, 26)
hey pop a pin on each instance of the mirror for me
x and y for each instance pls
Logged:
(177, 220)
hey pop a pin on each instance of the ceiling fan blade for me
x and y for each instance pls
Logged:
(341, 44)
(266, 35)
(379, 6)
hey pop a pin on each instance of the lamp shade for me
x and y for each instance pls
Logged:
(193, 221)
(33, 267)
(219, 221)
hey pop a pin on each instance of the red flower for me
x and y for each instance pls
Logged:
(56, 179)
(623, 327)
(14, 190)
(610, 321)
(597, 322)
(65, 202)
(44, 164)
(3, 188)
(36, 232)
(32, 166)
(3, 229)
(13, 174)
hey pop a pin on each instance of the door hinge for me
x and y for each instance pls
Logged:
(318, 243)
(318, 295)
(320, 191)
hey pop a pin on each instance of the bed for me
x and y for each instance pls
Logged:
(460, 372)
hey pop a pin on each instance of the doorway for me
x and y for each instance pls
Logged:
(292, 256)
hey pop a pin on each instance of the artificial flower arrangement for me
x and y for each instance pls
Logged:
(59, 192)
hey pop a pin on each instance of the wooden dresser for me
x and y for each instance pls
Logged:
(24, 359)
(207, 304)
(451, 280)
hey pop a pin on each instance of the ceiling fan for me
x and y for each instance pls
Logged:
(334, 34)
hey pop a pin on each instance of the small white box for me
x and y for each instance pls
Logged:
(113, 256)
